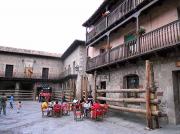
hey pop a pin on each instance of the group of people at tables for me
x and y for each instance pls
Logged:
(54, 108)
(81, 108)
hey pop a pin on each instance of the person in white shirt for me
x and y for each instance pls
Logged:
(86, 107)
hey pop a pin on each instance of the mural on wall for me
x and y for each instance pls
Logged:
(28, 68)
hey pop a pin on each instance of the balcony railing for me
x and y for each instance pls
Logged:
(22, 75)
(68, 72)
(158, 39)
(122, 10)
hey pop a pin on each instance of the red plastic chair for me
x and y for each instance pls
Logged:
(78, 114)
(57, 110)
(97, 112)
(66, 109)
(105, 109)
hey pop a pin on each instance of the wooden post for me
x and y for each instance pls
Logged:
(108, 43)
(147, 86)
(153, 95)
(137, 30)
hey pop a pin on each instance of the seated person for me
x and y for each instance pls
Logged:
(78, 106)
(75, 100)
(90, 98)
(57, 108)
(50, 108)
(96, 105)
(44, 107)
(94, 108)
(65, 108)
(86, 107)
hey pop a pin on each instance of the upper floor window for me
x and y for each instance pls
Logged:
(45, 73)
(9, 71)
(130, 37)
(102, 50)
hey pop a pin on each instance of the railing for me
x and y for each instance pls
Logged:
(67, 73)
(123, 9)
(98, 61)
(160, 38)
(22, 75)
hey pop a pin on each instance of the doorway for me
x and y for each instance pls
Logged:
(103, 86)
(176, 87)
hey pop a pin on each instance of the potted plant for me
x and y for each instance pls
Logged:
(141, 30)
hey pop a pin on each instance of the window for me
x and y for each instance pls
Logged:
(131, 82)
(102, 50)
(129, 37)
(45, 72)
(9, 71)
(103, 84)
(131, 47)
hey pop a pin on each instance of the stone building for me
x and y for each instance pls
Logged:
(122, 34)
(74, 64)
(24, 73)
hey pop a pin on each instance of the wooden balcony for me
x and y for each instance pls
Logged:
(33, 77)
(121, 11)
(68, 73)
(161, 38)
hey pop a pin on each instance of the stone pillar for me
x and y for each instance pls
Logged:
(34, 91)
(17, 88)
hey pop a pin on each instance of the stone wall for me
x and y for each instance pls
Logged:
(37, 63)
(163, 72)
(79, 56)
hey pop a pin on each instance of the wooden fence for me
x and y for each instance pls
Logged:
(149, 98)
(19, 94)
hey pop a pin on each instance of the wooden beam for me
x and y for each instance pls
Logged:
(134, 110)
(122, 91)
(129, 100)
(95, 90)
(126, 109)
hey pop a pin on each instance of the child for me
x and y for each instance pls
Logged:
(11, 101)
(19, 105)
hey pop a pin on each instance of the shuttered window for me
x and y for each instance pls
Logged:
(45, 73)
(9, 71)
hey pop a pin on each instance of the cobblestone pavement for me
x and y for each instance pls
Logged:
(29, 121)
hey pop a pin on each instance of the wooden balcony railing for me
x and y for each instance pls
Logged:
(163, 37)
(122, 10)
(22, 75)
(68, 72)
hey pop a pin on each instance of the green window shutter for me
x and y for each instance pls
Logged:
(129, 37)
